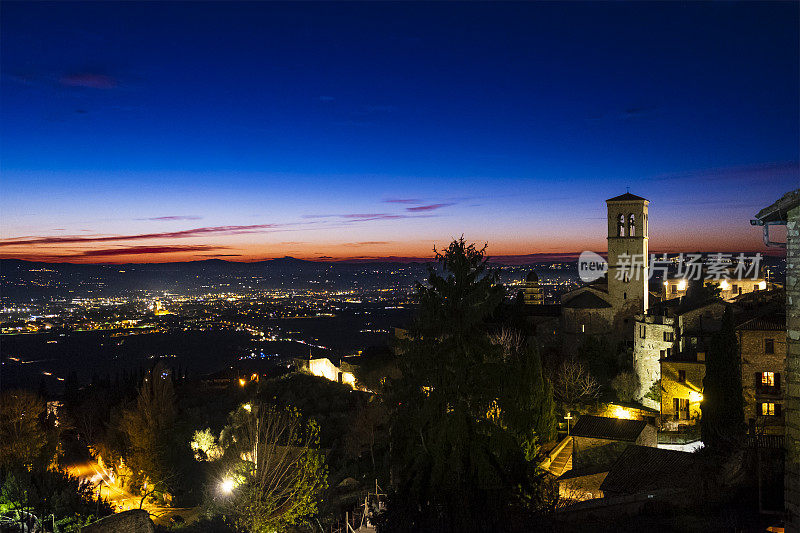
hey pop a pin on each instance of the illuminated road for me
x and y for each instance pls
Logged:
(122, 500)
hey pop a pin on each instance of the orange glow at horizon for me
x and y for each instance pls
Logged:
(744, 239)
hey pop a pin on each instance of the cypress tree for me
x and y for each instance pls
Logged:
(722, 421)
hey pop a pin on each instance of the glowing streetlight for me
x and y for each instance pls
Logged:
(247, 407)
(226, 486)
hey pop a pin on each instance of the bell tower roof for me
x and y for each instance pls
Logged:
(627, 197)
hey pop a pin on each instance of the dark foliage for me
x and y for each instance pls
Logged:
(722, 422)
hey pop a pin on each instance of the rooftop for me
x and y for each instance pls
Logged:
(627, 197)
(601, 427)
(777, 212)
(586, 300)
(643, 468)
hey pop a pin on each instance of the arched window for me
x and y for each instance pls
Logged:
(621, 225)
(631, 225)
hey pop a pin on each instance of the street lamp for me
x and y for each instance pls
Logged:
(226, 486)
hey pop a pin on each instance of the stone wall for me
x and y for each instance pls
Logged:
(755, 361)
(691, 389)
(133, 521)
(648, 343)
(792, 419)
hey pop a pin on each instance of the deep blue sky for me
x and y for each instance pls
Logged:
(259, 130)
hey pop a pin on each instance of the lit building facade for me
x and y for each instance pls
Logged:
(762, 344)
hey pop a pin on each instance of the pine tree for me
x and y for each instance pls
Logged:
(460, 461)
(722, 422)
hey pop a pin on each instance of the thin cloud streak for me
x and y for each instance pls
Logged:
(402, 201)
(431, 207)
(173, 217)
(761, 171)
(71, 239)
(91, 80)
(143, 250)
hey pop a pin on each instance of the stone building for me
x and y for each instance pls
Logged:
(672, 332)
(787, 211)
(682, 389)
(762, 346)
(606, 307)
(762, 354)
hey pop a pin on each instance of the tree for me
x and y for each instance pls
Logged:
(366, 428)
(526, 405)
(625, 384)
(655, 392)
(149, 427)
(22, 434)
(600, 358)
(274, 472)
(456, 465)
(722, 422)
(38, 493)
(204, 445)
(573, 384)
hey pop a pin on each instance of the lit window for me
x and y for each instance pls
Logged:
(768, 379)
(767, 409)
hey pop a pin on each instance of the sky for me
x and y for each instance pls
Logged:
(152, 132)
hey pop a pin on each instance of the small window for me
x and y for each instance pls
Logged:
(642, 331)
(663, 354)
(769, 346)
(768, 379)
(621, 225)
(681, 376)
(624, 295)
(674, 289)
(669, 336)
(631, 225)
(669, 352)
(769, 409)
(583, 328)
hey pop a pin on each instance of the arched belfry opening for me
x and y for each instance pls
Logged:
(621, 225)
(631, 225)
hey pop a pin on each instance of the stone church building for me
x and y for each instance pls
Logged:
(607, 307)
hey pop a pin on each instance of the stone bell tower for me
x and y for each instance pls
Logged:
(628, 260)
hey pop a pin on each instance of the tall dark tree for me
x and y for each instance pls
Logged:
(149, 430)
(722, 421)
(527, 408)
(457, 467)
